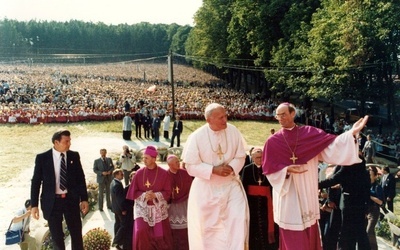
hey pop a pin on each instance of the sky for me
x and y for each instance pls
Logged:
(106, 11)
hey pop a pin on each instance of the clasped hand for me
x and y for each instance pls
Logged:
(150, 195)
(106, 173)
(222, 170)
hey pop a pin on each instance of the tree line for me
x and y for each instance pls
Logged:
(77, 37)
(328, 49)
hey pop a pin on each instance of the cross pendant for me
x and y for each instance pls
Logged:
(147, 184)
(176, 189)
(219, 153)
(293, 158)
(259, 181)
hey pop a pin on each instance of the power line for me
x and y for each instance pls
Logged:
(211, 61)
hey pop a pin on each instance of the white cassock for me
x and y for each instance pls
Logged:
(218, 214)
(295, 199)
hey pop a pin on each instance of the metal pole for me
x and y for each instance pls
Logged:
(171, 81)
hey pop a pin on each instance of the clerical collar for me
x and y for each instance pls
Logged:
(290, 128)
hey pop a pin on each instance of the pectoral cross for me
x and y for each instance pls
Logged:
(219, 153)
(147, 184)
(293, 158)
(176, 189)
(259, 181)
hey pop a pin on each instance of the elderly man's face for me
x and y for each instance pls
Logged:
(218, 119)
(256, 157)
(174, 164)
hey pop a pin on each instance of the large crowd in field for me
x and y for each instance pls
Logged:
(41, 94)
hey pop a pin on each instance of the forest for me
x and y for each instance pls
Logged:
(331, 50)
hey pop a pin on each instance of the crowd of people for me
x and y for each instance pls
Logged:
(90, 93)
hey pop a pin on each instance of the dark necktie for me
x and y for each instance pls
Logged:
(104, 162)
(63, 173)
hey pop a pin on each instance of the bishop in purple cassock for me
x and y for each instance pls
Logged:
(151, 190)
(290, 162)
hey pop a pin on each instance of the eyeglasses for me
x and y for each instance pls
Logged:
(279, 116)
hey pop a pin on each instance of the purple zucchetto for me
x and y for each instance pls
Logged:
(151, 151)
(171, 156)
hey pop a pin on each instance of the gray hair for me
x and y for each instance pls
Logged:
(210, 108)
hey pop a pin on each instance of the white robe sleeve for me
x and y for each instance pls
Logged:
(278, 181)
(342, 151)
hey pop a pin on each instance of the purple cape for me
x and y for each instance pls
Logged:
(310, 142)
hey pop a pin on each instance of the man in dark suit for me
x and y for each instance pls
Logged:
(156, 127)
(103, 167)
(58, 172)
(177, 131)
(355, 185)
(147, 125)
(389, 187)
(138, 123)
(129, 221)
(119, 209)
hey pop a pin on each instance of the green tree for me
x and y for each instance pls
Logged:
(353, 51)
(179, 39)
(288, 72)
(208, 39)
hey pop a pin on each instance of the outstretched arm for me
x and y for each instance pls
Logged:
(359, 125)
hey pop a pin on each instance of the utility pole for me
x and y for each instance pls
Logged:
(171, 81)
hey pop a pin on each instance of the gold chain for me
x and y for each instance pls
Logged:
(219, 149)
(293, 158)
(148, 184)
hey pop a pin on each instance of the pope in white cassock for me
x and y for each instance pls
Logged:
(218, 214)
(290, 162)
